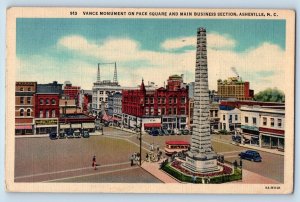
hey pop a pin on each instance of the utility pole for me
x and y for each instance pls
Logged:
(141, 142)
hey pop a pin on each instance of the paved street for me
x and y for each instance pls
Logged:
(69, 160)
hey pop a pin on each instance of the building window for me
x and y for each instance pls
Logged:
(151, 100)
(101, 92)
(28, 100)
(47, 113)
(272, 122)
(230, 117)
(279, 123)
(47, 101)
(223, 117)
(175, 100)
(101, 99)
(21, 100)
(170, 100)
(159, 111)
(236, 117)
(29, 89)
(41, 114)
(21, 112)
(106, 99)
(170, 111)
(216, 113)
(41, 101)
(147, 100)
(211, 113)
(174, 111)
(21, 89)
(53, 113)
(182, 100)
(264, 121)
(182, 111)
(254, 120)
(53, 102)
(163, 111)
(28, 112)
(246, 119)
(163, 100)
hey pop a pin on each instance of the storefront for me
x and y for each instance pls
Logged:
(46, 125)
(24, 129)
(250, 135)
(77, 122)
(272, 141)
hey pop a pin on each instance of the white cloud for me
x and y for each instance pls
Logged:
(214, 40)
(156, 66)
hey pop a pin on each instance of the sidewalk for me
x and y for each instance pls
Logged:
(47, 135)
(229, 141)
(254, 178)
(153, 169)
(123, 129)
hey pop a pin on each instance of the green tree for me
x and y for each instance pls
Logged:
(270, 95)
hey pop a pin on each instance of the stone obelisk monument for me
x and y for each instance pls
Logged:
(201, 158)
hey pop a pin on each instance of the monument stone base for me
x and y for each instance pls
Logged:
(201, 163)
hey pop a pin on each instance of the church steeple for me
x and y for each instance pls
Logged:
(142, 88)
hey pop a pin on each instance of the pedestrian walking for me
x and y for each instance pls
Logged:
(131, 160)
(94, 164)
(241, 163)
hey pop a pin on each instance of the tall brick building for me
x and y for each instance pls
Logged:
(166, 105)
(24, 107)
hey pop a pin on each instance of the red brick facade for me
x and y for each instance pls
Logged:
(72, 92)
(172, 100)
(46, 105)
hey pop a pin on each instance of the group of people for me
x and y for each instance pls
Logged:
(135, 159)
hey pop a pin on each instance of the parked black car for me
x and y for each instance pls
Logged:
(251, 155)
(85, 134)
(77, 134)
(62, 135)
(70, 133)
(236, 138)
(53, 136)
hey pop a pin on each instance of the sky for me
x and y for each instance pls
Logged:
(70, 49)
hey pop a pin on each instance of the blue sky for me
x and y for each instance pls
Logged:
(69, 49)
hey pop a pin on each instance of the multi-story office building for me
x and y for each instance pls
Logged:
(234, 87)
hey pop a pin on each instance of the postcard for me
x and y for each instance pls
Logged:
(150, 100)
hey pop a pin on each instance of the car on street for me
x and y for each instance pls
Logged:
(77, 134)
(154, 132)
(70, 133)
(236, 138)
(85, 134)
(53, 136)
(251, 155)
(62, 135)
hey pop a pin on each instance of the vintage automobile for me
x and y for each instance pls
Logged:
(77, 134)
(85, 134)
(251, 155)
(70, 133)
(62, 135)
(53, 136)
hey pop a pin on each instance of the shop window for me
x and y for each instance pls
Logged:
(21, 112)
(28, 112)
(264, 121)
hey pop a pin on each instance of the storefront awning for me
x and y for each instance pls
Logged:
(63, 126)
(88, 125)
(27, 127)
(152, 125)
(76, 125)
